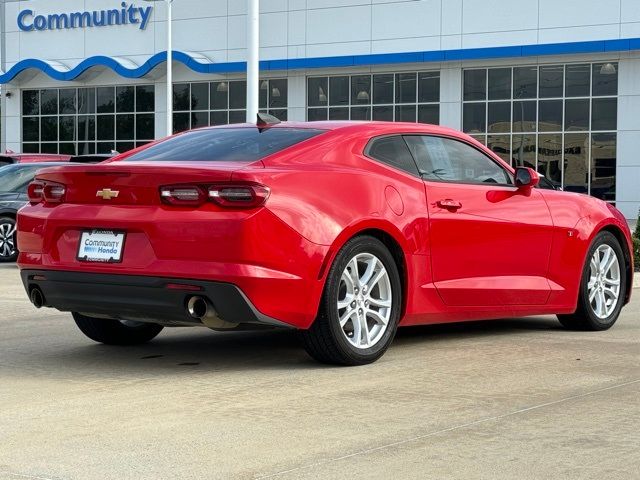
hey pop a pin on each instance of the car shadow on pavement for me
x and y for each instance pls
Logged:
(197, 349)
(176, 351)
(470, 329)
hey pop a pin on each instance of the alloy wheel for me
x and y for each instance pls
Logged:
(364, 300)
(7, 240)
(604, 281)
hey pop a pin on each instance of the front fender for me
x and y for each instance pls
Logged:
(620, 229)
(571, 248)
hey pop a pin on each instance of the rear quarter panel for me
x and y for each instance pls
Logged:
(330, 192)
(322, 189)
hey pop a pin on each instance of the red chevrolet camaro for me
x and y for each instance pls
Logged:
(342, 230)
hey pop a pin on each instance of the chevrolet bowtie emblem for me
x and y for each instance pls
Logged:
(107, 193)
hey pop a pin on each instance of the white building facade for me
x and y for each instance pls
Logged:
(552, 84)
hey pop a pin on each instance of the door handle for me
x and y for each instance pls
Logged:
(449, 204)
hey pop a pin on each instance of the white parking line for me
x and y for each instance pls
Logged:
(35, 477)
(446, 430)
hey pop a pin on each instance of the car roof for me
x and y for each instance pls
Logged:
(353, 126)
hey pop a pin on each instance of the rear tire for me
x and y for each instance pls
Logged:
(8, 244)
(115, 332)
(602, 287)
(359, 314)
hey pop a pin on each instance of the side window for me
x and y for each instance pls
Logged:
(547, 184)
(449, 160)
(394, 152)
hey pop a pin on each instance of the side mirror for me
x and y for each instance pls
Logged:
(526, 178)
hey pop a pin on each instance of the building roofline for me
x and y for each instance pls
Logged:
(199, 63)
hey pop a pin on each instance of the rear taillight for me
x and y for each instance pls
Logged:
(53, 192)
(230, 195)
(35, 191)
(183, 195)
(239, 196)
(48, 192)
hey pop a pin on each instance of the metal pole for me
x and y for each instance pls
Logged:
(169, 70)
(253, 59)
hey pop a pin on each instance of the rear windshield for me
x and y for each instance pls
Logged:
(224, 145)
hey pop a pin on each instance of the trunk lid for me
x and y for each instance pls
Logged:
(134, 183)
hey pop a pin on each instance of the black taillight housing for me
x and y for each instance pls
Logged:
(35, 191)
(183, 195)
(44, 191)
(228, 195)
(239, 195)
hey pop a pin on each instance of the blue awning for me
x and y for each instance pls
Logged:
(201, 64)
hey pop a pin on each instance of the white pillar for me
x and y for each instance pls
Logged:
(628, 164)
(297, 100)
(11, 119)
(253, 59)
(160, 116)
(169, 70)
(451, 96)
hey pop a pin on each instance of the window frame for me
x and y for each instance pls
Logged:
(599, 94)
(231, 113)
(366, 152)
(91, 118)
(499, 163)
(395, 105)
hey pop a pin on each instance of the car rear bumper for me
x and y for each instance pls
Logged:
(276, 268)
(142, 298)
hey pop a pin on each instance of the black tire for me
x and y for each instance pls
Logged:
(325, 341)
(8, 246)
(114, 332)
(584, 318)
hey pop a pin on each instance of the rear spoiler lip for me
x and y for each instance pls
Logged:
(194, 172)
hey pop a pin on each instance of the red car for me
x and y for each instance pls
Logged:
(344, 231)
(10, 157)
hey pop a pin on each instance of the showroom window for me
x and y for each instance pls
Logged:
(224, 102)
(559, 119)
(400, 97)
(82, 121)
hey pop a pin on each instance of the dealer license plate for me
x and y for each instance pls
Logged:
(101, 246)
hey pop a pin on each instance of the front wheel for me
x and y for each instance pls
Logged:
(603, 286)
(116, 332)
(360, 306)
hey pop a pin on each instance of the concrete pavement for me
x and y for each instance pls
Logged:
(508, 399)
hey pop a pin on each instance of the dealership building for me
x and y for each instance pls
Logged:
(552, 84)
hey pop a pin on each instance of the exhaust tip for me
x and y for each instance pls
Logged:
(36, 297)
(197, 307)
